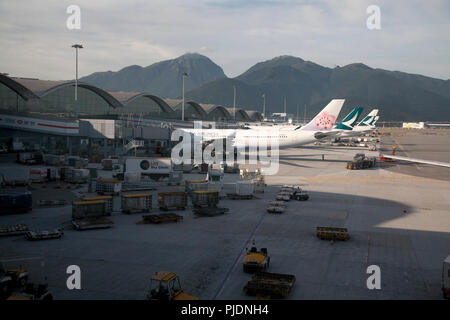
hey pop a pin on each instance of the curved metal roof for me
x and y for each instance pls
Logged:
(195, 105)
(240, 111)
(210, 108)
(17, 87)
(255, 115)
(160, 102)
(113, 102)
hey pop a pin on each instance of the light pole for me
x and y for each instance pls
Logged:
(76, 46)
(234, 103)
(184, 74)
(285, 109)
(264, 105)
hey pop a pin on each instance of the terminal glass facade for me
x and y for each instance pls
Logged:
(62, 100)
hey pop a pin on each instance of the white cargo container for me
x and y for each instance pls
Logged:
(38, 174)
(156, 168)
(76, 175)
(244, 188)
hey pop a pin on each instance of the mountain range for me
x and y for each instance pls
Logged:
(162, 78)
(305, 86)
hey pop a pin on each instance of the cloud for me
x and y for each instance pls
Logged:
(235, 34)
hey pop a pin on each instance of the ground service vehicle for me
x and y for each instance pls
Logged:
(165, 286)
(300, 195)
(32, 292)
(256, 260)
(11, 280)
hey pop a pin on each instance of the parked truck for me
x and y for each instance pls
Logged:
(155, 168)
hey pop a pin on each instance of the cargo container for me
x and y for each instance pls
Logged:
(29, 157)
(155, 168)
(267, 284)
(73, 175)
(38, 174)
(207, 198)
(53, 159)
(76, 162)
(15, 202)
(172, 200)
(108, 202)
(141, 202)
(15, 176)
(88, 209)
(52, 174)
(108, 164)
(244, 188)
(196, 185)
(108, 186)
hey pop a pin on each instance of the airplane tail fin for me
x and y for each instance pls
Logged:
(375, 120)
(326, 118)
(350, 120)
(369, 118)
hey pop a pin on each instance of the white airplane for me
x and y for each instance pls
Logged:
(318, 128)
(365, 126)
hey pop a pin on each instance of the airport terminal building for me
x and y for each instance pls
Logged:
(39, 112)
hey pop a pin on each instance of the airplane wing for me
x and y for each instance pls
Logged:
(432, 162)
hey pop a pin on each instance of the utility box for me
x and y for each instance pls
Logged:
(132, 203)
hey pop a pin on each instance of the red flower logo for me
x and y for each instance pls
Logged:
(325, 120)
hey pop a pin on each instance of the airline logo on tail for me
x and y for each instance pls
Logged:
(369, 118)
(326, 119)
(350, 120)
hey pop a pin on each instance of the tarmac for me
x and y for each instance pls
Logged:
(207, 253)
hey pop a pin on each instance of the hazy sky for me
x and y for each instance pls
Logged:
(35, 42)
